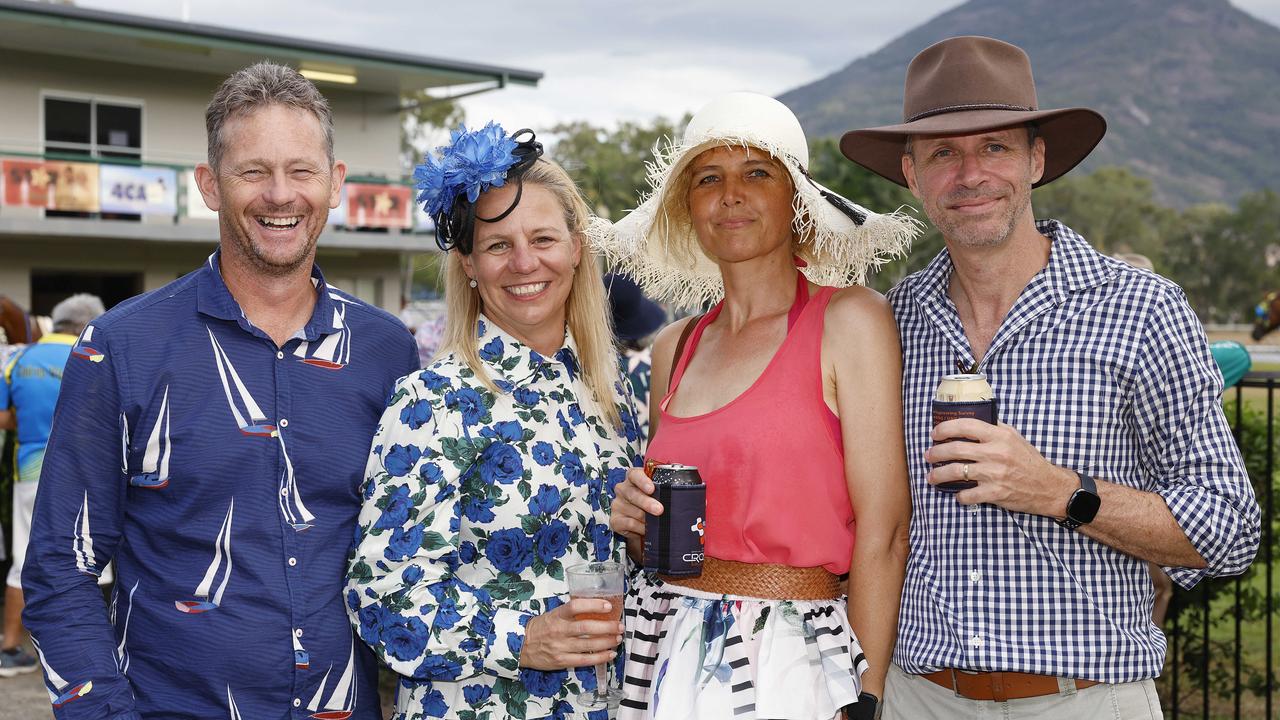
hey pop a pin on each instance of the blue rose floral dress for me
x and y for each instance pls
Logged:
(474, 505)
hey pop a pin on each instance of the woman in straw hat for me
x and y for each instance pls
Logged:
(763, 394)
(492, 470)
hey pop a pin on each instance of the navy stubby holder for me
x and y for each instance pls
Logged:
(673, 541)
(963, 396)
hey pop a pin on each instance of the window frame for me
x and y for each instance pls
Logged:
(93, 148)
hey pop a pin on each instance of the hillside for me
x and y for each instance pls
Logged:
(1190, 88)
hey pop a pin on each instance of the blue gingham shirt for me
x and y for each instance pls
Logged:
(1104, 369)
(223, 476)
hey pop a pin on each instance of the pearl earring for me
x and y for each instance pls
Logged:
(472, 283)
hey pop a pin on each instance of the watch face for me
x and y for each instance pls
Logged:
(1083, 506)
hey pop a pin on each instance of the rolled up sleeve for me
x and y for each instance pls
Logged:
(1188, 447)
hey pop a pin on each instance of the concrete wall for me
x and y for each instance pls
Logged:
(367, 129)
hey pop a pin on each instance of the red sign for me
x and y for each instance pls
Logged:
(379, 206)
(53, 185)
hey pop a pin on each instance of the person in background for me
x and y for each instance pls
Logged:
(1028, 593)
(28, 394)
(493, 469)
(636, 319)
(210, 438)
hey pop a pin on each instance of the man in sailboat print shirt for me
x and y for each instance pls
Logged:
(210, 438)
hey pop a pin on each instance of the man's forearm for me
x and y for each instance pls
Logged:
(1140, 524)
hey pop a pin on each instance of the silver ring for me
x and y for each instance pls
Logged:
(965, 472)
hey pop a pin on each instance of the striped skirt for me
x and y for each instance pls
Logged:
(692, 655)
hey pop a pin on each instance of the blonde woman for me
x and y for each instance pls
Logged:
(493, 468)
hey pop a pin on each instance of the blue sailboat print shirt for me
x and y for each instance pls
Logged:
(222, 474)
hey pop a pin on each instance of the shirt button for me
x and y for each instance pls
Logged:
(975, 641)
(297, 632)
(297, 702)
(284, 492)
(284, 422)
(976, 575)
(293, 561)
(279, 355)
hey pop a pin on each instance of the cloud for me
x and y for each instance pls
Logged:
(604, 62)
(635, 86)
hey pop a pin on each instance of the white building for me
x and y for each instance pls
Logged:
(123, 96)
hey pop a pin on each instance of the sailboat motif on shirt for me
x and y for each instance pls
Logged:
(155, 462)
(256, 423)
(84, 347)
(342, 701)
(124, 444)
(231, 706)
(82, 541)
(205, 602)
(60, 691)
(301, 659)
(122, 652)
(334, 351)
(295, 513)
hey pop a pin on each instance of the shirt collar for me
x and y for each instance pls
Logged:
(57, 339)
(215, 300)
(1073, 266)
(514, 363)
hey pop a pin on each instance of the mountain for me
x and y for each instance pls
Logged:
(1190, 88)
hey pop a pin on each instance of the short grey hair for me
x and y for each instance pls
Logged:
(76, 311)
(259, 86)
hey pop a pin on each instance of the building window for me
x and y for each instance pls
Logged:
(92, 128)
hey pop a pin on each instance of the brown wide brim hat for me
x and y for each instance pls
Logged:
(967, 85)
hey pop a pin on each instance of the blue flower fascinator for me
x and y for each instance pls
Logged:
(450, 181)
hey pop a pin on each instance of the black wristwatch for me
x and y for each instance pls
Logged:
(1083, 506)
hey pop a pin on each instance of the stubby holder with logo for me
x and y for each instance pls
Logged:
(963, 396)
(673, 541)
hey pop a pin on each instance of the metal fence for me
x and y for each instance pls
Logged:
(1216, 669)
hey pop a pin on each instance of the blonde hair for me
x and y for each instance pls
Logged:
(587, 309)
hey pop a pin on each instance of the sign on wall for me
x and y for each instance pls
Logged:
(379, 206)
(139, 190)
(194, 206)
(53, 185)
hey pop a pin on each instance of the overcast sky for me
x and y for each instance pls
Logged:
(604, 60)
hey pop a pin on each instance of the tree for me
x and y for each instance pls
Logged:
(425, 117)
(1224, 259)
(1113, 209)
(830, 167)
(608, 165)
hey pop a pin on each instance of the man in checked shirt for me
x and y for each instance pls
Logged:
(1027, 595)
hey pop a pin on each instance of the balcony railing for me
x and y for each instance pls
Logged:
(1223, 647)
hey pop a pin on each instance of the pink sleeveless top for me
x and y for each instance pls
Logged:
(773, 458)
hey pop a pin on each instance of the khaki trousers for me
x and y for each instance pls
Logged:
(911, 697)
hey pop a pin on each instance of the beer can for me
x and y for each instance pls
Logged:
(963, 396)
(673, 541)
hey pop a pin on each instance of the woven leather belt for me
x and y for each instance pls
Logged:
(1004, 686)
(762, 580)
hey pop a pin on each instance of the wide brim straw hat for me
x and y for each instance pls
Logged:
(655, 244)
(971, 84)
